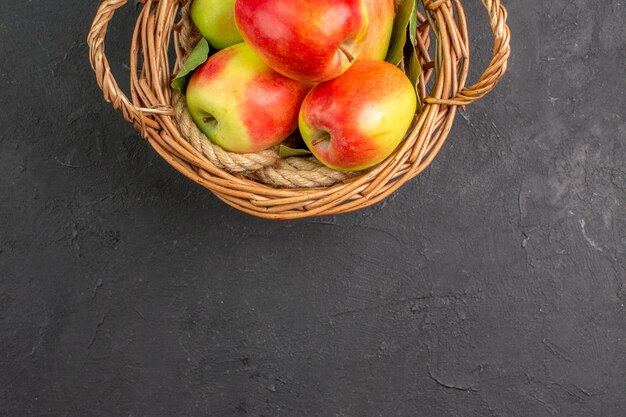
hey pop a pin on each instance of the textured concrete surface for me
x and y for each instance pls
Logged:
(493, 285)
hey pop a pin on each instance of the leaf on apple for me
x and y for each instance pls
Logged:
(197, 57)
(411, 61)
(414, 70)
(413, 24)
(406, 10)
(287, 152)
(404, 42)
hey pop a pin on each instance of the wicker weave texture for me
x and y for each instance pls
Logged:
(261, 184)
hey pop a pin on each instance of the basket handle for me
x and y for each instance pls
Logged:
(498, 16)
(111, 90)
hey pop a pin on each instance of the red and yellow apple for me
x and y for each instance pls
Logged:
(307, 40)
(381, 18)
(241, 104)
(216, 21)
(355, 121)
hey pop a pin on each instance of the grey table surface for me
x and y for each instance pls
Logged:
(492, 285)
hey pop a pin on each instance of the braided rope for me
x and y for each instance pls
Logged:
(189, 35)
(219, 157)
(265, 166)
(299, 172)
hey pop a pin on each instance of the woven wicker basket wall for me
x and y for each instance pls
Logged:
(263, 184)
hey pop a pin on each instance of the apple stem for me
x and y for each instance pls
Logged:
(325, 137)
(347, 54)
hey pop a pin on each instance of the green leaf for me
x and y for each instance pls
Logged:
(287, 152)
(398, 37)
(413, 25)
(197, 57)
(413, 71)
(411, 61)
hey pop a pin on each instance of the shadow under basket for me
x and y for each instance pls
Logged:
(263, 184)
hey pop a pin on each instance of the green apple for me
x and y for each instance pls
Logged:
(355, 121)
(216, 21)
(241, 104)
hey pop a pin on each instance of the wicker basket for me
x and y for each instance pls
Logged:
(262, 184)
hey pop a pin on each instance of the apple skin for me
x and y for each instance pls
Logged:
(381, 19)
(357, 120)
(241, 104)
(216, 21)
(306, 40)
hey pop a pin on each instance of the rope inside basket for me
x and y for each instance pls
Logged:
(267, 166)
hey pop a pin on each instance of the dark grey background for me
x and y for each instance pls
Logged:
(492, 285)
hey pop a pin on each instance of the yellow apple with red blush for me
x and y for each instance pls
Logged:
(357, 120)
(381, 18)
(241, 104)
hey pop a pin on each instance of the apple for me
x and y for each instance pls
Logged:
(307, 40)
(216, 21)
(381, 15)
(355, 121)
(240, 103)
